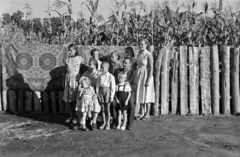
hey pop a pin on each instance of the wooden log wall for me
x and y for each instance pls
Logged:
(188, 80)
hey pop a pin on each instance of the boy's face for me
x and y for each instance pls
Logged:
(105, 67)
(126, 64)
(114, 58)
(121, 79)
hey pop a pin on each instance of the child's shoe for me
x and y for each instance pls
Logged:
(69, 120)
(94, 127)
(123, 127)
(102, 126)
(118, 127)
(107, 127)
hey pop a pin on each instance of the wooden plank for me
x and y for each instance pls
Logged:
(174, 80)
(53, 102)
(37, 102)
(205, 78)
(215, 92)
(235, 80)
(194, 80)
(157, 80)
(28, 101)
(183, 80)
(61, 102)
(12, 101)
(46, 105)
(20, 101)
(4, 100)
(165, 81)
(225, 82)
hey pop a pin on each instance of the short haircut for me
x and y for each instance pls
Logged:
(94, 50)
(122, 75)
(130, 49)
(106, 64)
(128, 58)
(94, 61)
(86, 80)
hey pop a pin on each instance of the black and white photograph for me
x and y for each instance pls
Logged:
(119, 78)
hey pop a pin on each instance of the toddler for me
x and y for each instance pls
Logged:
(84, 104)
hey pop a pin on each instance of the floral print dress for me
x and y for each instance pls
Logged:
(73, 65)
(85, 99)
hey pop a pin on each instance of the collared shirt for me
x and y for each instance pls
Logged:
(106, 80)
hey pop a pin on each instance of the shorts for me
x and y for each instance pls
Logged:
(104, 95)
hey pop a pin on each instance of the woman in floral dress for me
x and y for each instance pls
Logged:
(73, 63)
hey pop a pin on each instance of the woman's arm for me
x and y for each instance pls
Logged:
(150, 71)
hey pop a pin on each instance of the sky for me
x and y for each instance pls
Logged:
(39, 6)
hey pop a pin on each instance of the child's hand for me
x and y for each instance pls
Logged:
(126, 103)
(117, 101)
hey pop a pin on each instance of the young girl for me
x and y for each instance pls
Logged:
(95, 55)
(84, 104)
(122, 96)
(73, 63)
(105, 90)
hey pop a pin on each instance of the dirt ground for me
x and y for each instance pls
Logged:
(47, 135)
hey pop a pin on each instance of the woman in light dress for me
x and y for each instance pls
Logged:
(143, 79)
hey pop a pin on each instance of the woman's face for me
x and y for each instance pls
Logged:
(129, 53)
(72, 51)
(95, 55)
(142, 45)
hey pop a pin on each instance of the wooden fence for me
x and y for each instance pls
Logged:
(188, 80)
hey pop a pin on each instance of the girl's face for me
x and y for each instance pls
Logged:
(121, 79)
(114, 58)
(142, 45)
(72, 51)
(129, 53)
(84, 84)
(95, 55)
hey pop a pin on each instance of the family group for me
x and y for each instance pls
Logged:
(120, 90)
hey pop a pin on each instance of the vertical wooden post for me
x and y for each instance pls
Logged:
(20, 101)
(235, 79)
(174, 80)
(4, 100)
(37, 102)
(157, 80)
(53, 102)
(183, 80)
(46, 105)
(215, 92)
(165, 81)
(225, 82)
(12, 101)
(28, 101)
(194, 79)
(61, 102)
(205, 79)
